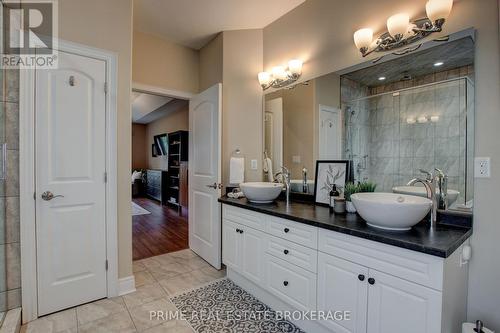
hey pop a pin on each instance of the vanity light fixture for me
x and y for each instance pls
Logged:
(438, 64)
(281, 76)
(402, 32)
(422, 119)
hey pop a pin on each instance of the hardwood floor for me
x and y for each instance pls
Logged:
(160, 232)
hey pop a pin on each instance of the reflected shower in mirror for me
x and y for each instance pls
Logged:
(393, 119)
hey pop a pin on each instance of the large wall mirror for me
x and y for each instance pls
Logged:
(394, 119)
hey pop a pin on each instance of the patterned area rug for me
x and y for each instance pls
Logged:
(138, 210)
(222, 306)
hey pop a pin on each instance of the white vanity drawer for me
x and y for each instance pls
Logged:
(413, 266)
(293, 253)
(244, 216)
(294, 285)
(297, 232)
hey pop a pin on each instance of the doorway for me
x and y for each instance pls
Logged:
(160, 164)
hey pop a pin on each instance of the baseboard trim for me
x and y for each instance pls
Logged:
(126, 285)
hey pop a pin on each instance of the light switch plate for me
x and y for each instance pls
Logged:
(482, 167)
(296, 159)
(253, 164)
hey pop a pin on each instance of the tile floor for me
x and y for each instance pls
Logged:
(156, 278)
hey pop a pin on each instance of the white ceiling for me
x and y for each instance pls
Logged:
(193, 23)
(143, 104)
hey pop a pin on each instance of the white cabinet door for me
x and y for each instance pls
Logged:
(231, 245)
(342, 286)
(396, 305)
(253, 244)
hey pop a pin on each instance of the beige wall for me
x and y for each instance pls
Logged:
(108, 25)
(323, 39)
(162, 63)
(242, 100)
(174, 121)
(139, 151)
(211, 63)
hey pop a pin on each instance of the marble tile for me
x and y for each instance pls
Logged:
(99, 309)
(12, 125)
(11, 93)
(116, 323)
(144, 294)
(143, 278)
(12, 220)
(158, 261)
(194, 263)
(11, 321)
(10, 299)
(64, 321)
(182, 254)
(141, 315)
(180, 283)
(169, 270)
(13, 265)
(138, 266)
(11, 187)
(172, 326)
(208, 274)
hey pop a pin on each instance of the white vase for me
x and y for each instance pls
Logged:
(350, 207)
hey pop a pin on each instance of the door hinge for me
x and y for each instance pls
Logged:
(105, 177)
(105, 87)
(34, 195)
(106, 264)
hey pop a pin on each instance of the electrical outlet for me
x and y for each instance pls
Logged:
(253, 164)
(482, 168)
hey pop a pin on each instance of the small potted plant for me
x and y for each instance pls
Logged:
(350, 189)
(367, 186)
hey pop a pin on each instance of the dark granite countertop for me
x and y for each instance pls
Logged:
(440, 242)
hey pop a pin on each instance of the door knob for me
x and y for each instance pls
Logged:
(47, 196)
(214, 186)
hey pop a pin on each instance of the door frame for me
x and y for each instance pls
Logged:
(29, 295)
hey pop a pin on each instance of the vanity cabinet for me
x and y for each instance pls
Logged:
(386, 289)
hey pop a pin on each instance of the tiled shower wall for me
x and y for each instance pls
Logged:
(10, 261)
(388, 150)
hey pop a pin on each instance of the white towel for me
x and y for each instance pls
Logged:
(236, 170)
(268, 168)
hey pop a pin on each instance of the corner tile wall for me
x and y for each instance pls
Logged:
(396, 149)
(10, 261)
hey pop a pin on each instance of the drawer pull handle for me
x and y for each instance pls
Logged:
(361, 277)
(241, 231)
(371, 281)
(285, 252)
(286, 230)
(237, 230)
(285, 283)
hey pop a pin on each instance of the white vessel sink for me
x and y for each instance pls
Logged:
(421, 192)
(391, 211)
(296, 186)
(261, 192)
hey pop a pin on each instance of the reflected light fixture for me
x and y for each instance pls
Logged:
(381, 78)
(402, 32)
(281, 76)
(438, 64)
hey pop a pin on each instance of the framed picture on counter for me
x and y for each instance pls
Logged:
(328, 173)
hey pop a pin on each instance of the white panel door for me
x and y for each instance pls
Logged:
(205, 174)
(342, 286)
(231, 245)
(330, 133)
(253, 254)
(396, 305)
(70, 164)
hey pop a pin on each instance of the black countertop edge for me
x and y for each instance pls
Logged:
(441, 242)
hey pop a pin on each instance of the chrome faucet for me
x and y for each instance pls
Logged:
(431, 194)
(285, 177)
(441, 183)
(304, 180)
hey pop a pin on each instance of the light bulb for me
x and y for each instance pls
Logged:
(398, 25)
(363, 38)
(264, 78)
(295, 66)
(438, 9)
(279, 73)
